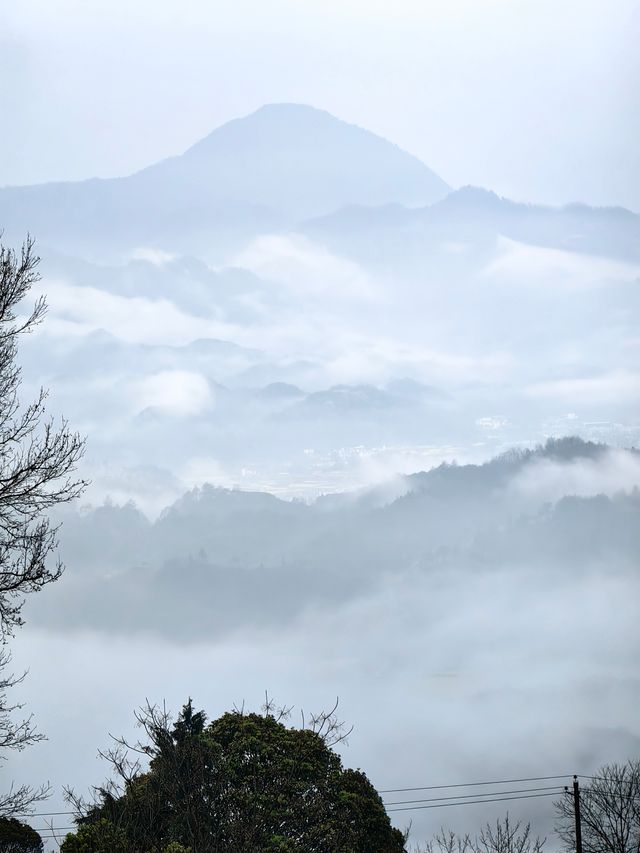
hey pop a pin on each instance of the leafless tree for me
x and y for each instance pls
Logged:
(506, 837)
(609, 810)
(37, 460)
(15, 735)
(501, 837)
(331, 729)
(447, 841)
(324, 723)
(37, 456)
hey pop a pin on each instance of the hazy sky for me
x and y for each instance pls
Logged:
(537, 99)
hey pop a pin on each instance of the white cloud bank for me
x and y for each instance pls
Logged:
(613, 388)
(157, 257)
(80, 310)
(173, 392)
(307, 269)
(446, 682)
(546, 480)
(535, 266)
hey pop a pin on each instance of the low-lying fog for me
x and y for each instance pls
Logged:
(345, 348)
(477, 623)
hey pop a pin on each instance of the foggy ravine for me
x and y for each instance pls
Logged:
(351, 432)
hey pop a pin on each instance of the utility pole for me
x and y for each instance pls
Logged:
(576, 808)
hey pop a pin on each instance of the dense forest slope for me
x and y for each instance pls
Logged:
(210, 561)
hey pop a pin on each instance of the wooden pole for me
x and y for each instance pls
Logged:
(576, 808)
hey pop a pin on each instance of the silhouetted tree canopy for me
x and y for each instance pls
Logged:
(17, 837)
(242, 783)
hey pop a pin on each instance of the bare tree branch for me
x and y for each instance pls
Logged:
(610, 811)
(38, 458)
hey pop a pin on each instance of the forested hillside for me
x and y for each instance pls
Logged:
(214, 557)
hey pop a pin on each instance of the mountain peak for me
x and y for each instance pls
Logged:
(282, 108)
(304, 162)
(272, 169)
(288, 116)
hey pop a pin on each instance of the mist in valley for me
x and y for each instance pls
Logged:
(355, 428)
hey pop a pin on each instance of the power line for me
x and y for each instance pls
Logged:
(56, 829)
(554, 788)
(475, 784)
(608, 795)
(602, 778)
(620, 782)
(472, 802)
(399, 790)
(439, 802)
(43, 814)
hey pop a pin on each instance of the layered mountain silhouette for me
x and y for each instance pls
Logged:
(302, 288)
(273, 168)
(474, 217)
(291, 166)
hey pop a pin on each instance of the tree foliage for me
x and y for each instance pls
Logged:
(609, 810)
(37, 461)
(244, 782)
(17, 837)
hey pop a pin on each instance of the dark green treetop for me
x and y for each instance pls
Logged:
(244, 783)
(18, 837)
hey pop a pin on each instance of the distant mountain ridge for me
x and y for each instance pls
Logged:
(474, 214)
(291, 166)
(281, 164)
